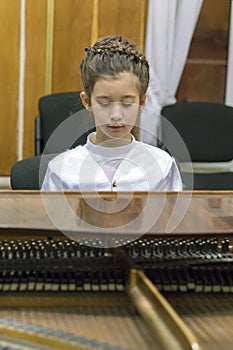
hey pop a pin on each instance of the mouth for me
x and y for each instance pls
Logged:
(115, 127)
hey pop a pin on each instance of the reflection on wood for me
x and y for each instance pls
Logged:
(197, 212)
(110, 212)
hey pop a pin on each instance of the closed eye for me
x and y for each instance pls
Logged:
(126, 104)
(122, 104)
(104, 104)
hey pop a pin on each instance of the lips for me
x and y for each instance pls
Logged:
(115, 127)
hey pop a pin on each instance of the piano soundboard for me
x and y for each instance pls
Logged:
(158, 290)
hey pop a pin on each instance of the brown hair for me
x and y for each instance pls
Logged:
(112, 56)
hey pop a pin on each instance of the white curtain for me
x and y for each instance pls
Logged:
(170, 27)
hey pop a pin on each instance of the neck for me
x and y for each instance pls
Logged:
(110, 142)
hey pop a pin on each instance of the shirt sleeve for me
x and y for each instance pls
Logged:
(172, 180)
(51, 181)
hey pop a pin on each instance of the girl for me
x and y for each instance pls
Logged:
(115, 77)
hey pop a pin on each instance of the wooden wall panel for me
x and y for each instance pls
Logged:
(36, 11)
(72, 33)
(77, 23)
(127, 18)
(9, 72)
(204, 75)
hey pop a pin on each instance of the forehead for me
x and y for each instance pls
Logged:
(122, 84)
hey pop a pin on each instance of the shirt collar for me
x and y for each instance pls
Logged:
(110, 151)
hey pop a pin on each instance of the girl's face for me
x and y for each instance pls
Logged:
(115, 103)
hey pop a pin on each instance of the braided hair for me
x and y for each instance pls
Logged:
(112, 56)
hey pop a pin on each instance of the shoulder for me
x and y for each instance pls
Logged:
(68, 156)
(155, 151)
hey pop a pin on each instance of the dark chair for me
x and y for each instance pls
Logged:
(206, 129)
(62, 123)
(28, 174)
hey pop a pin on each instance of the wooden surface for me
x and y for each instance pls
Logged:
(115, 324)
(110, 318)
(77, 24)
(73, 30)
(204, 75)
(159, 212)
(166, 325)
(208, 316)
(9, 71)
(35, 68)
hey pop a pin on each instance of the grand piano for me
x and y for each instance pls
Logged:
(116, 270)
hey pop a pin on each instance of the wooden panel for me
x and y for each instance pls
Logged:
(203, 77)
(72, 33)
(203, 82)
(203, 212)
(35, 67)
(210, 38)
(127, 18)
(205, 72)
(9, 72)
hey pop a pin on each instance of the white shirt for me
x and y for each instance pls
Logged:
(134, 167)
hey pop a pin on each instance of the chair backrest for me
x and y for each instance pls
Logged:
(208, 182)
(206, 129)
(28, 174)
(54, 111)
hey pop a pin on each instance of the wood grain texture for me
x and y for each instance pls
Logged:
(72, 33)
(204, 75)
(9, 72)
(109, 319)
(35, 68)
(209, 317)
(125, 18)
(201, 212)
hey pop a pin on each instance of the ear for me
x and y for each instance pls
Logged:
(143, 101)
(85, 99)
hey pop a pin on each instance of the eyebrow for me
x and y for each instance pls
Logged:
(129, 96)
(102, 96)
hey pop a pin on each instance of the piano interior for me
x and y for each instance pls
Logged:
(159, 291)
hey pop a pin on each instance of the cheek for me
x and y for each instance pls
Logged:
(101, 117)
(132, 116)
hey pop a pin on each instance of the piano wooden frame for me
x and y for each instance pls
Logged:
(33, 214)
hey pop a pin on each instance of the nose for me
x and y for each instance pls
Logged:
(116, 111)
